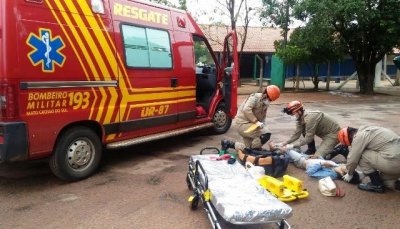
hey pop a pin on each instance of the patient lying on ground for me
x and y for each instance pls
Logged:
(315, 166)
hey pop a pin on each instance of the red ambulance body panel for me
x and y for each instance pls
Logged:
(79, 75)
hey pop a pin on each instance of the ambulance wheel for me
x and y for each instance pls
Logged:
(76, 155)
(222, 121)
(195, 203)
(189, 184)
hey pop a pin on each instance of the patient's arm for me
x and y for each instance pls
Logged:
(329, 164)
(276, 146)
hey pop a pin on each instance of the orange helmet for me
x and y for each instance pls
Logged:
(343, 136)
(272, 92)
(293, 107)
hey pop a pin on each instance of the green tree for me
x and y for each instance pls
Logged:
(202, 54)
(292, 54)
(182, 3)
(321, 45)
(278, 13)
(367, 28)
(238, 12)
(312, 45)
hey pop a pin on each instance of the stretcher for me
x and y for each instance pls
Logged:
(228, 190)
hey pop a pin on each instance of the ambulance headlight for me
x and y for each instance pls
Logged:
(98, 6)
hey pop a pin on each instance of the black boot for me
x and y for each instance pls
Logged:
(376, 184)
(356, 178)
(311, 148)
(265, 138)
(226, 144)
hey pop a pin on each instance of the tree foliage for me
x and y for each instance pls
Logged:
(314, 45)
(293, 54)
(368, 29)
(238, 11)
(274, 12)
(182, 3)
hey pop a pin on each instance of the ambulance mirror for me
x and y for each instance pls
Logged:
(228, 71)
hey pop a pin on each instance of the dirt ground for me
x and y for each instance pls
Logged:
(144, 186)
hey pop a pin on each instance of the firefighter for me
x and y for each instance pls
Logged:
(310, 123)
(254, 111)
(376, 152)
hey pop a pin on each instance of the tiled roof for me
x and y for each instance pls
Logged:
(259, 39)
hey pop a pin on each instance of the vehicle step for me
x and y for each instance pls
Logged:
(139, 140)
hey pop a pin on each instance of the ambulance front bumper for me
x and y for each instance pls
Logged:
(13, 141)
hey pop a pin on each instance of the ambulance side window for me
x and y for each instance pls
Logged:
(146, 47)
(203, 58)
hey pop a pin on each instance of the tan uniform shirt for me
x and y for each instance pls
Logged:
(383, 141)
(252, 110)
(319, 124)
(314, 123)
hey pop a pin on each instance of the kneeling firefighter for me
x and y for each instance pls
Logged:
(311, 123)
(375, 151)
(253, 111)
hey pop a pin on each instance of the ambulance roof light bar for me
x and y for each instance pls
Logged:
(98, 6)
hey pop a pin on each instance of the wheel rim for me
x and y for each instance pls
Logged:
(80, 154)
(220, 118)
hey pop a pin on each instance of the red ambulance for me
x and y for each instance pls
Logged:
(77, 76)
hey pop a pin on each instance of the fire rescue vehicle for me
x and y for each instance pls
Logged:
(78, 76)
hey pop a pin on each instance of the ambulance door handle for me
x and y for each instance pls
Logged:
(174, 82)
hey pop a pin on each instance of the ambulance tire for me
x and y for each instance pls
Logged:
(77, 154)
(222, 121)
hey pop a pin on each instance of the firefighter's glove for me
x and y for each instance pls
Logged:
(278, 145)
(289, 146)
(347, 177)
(260, 124)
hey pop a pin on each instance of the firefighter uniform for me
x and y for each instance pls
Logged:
(250, 111)
(316, 123)
(376, 149)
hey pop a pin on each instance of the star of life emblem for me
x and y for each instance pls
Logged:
(46, 50)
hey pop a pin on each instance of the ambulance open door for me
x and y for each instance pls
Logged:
(230, 67)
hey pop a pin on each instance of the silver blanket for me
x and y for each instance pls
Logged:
(237, 197)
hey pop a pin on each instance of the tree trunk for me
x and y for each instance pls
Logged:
(366, 76)
(231, 9)
(315, 76)
(397, 82)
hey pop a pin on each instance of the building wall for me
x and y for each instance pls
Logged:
(343, 68)
(340, 68)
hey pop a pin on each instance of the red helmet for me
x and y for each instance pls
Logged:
(293, 107)
(272, 92)
(343, 136)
